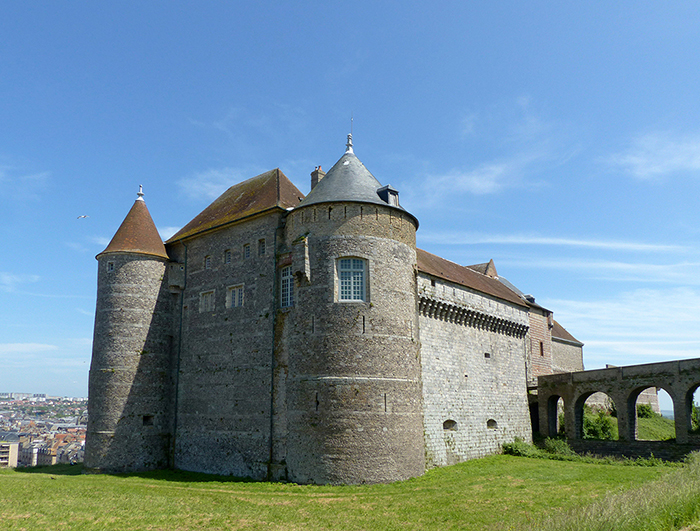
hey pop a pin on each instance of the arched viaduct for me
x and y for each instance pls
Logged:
(679, 379)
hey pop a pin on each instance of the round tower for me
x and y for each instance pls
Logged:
(129, 420)
(353, 388)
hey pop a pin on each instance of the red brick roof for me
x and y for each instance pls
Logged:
(267, 191)
(137, 234)
(441, 268)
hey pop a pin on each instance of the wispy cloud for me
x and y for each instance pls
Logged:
(659, 154)
(167, 232)
(10, 281)
(25, 348)
(639, 326)
(471, 238)
(210, 184)
(20, 184)
(529, 145)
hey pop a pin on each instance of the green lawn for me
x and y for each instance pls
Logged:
(499, 492)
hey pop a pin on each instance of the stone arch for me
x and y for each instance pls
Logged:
(602, 402)
(631, 406)
(553, 414)
(689, 396)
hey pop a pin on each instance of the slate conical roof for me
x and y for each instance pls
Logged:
(137, 233)
(267, 191)
(348, 180)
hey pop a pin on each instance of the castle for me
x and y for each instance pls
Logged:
(278, 336)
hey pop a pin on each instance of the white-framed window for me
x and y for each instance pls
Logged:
(246, 250)
(206, 301)
(234, 296)
(261, 247)
(286, 287)
(227, 256)
(351, 277)
(207, 262)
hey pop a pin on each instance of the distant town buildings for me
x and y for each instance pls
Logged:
(41, 430)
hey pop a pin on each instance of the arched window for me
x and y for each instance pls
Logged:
(491, 424)
(449, 425)
(352, 279)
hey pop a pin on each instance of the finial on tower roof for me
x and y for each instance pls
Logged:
(349, 144)
(140, 194)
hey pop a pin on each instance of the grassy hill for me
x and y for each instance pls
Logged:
(655, 428)
(498, 492)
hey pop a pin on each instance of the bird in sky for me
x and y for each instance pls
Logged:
(81, 217)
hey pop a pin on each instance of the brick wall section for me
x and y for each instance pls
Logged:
(462, 385)
(539, 345)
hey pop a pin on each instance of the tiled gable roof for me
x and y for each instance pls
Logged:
(267, 191)
(137, 234)
(439, 267)
(559, 332)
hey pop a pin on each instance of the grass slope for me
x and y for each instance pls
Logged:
(656, 428)
(499, 492)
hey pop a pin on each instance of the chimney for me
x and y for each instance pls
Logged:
(316, 176)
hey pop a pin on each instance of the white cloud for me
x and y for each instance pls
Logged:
(687, 273)
(22, 185)
(210, 184)
(25, 348)
(469, 238)
(167, 232)
(9, 281)
(640, 326)
(656, 155)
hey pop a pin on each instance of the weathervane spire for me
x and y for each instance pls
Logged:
(348, 146)
(140, 194)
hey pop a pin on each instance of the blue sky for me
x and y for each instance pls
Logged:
(561, 139)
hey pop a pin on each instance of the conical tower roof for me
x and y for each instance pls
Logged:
(348, 180)
(137, 233)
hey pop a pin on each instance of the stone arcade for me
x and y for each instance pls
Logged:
(278, 336)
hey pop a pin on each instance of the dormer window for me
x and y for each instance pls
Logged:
(389, 195)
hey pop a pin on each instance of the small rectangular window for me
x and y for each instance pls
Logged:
(207, 262)
(541, 348)
(234, 296)
(110, 266)
(227, 256)
(286, 287)
(351, 273)
(261, 247)
(206, 301)
(246, 250)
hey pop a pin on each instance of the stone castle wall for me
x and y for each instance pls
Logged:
(474, 392)
(353, 371)
(566, 357)
(130, 387)
(226, 351)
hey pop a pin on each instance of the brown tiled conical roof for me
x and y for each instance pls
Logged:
(137, 234)
(267, 191)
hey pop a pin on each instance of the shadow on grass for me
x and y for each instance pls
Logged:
(163, 475)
